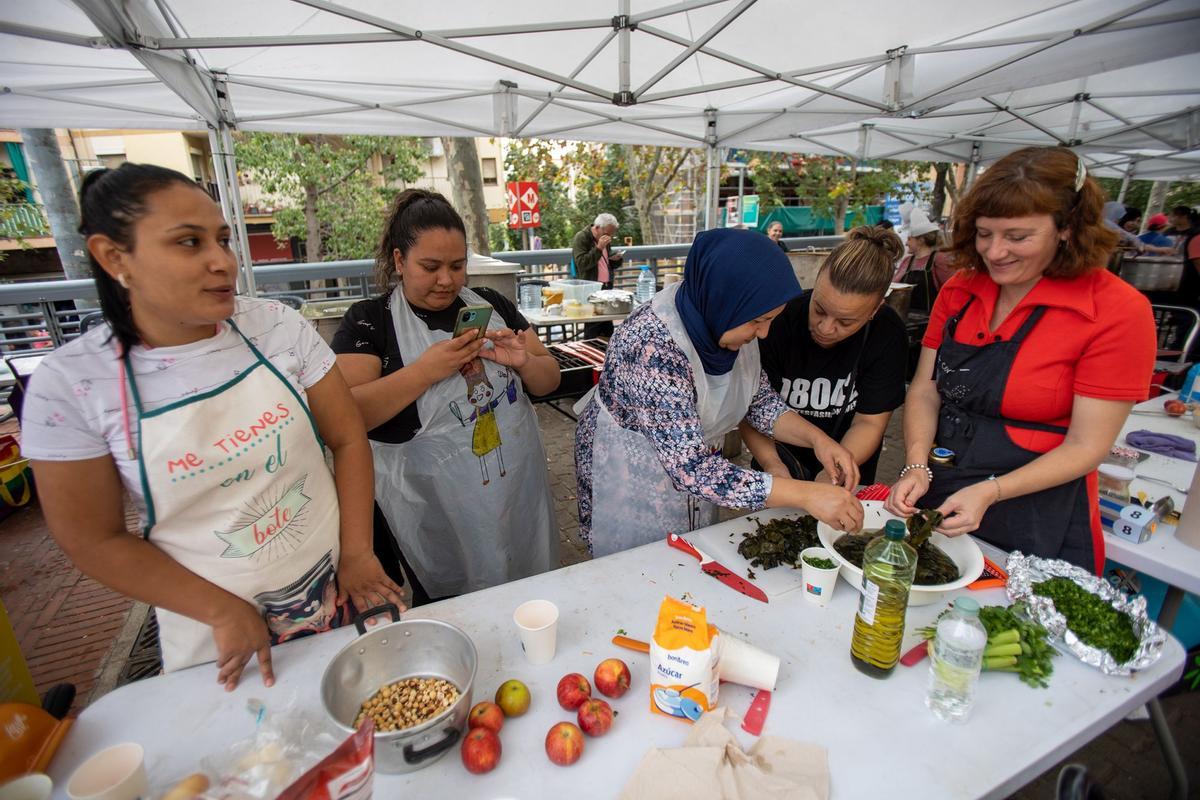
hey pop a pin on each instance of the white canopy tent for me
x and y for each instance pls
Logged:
(944, 79)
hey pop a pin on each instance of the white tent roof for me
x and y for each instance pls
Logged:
(930, 79)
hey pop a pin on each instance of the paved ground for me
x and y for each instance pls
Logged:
(72, 629)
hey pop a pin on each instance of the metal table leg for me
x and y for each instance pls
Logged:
(1179, 780)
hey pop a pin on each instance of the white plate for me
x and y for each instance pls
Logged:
(961, 549)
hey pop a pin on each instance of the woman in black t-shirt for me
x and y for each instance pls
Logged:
(461, 492)
(837, 355)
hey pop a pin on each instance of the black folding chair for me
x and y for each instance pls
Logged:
(1177, 328)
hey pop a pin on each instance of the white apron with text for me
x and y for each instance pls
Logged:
(634, 500)
(237, 491)
(468, 497)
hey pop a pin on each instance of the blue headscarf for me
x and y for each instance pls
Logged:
(731, 277)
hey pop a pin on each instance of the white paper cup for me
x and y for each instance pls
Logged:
(818, 583)
(118, 773)
(745, 664)
(537, 621)
(29, 787)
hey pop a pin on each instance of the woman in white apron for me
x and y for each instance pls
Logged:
(461, 485)
(211, 411)
(680, 373)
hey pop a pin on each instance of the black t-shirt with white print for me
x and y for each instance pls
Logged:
(367, 328)
(828, 386)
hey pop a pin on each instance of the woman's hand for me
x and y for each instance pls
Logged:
(509, 348)
(837, 461)
(445, 358)
(963, 511)
(834, 506)
(902, 499)
(240, 633)
(362, 579)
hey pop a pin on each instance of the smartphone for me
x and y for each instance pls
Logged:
(469, 317)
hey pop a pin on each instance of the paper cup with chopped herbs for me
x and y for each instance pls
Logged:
(1099, 625)
(819, 573)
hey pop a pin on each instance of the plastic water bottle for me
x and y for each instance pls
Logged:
(645, 286)
(889, 566)
(955, 658)
(1191, 385)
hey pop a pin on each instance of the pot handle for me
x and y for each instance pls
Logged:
(414, 756)
(360, 621)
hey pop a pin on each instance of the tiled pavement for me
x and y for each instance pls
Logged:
(72, 629)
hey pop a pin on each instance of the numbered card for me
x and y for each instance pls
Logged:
(1135, 523)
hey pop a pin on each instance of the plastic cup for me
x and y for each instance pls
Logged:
(537, 621)
(745, 664)
(29, 787)
(118, 773)
(818, 583)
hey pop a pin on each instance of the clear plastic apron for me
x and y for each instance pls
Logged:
(260, 522)
(468, 497)
(634, 500)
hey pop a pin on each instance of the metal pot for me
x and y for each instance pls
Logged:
(611, 305)
(899, 297)
(421, 648)
(1152, 273)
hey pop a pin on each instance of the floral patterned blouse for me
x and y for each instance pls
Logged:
(647, 386)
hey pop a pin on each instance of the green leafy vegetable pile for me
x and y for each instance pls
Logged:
(1015, 644)
(779, 541)
(1094, 621)
(934, 567)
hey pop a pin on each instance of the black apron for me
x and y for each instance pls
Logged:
(1052, 523)
(922, 280)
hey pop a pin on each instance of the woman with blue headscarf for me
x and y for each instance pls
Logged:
(680, 373)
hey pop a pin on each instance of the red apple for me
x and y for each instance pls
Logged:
(486, 715)
(573, 690)
(564, 744)
(481, 750)
(595, 717)
(1176, 408)
(612, 677)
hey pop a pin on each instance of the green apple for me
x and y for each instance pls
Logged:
(513, 698)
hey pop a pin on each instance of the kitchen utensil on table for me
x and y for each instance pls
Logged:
(993, 577)
(716, 570)
(537, 621)
(962, 550)
(1180, 489)
(420, 648)
(756, 715)
(115, 773)
(28, 787)
(631, 644)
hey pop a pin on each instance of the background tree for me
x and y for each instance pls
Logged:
(333, 190)
(539, 160)
(14, 224)
(1138, 194)
(652, 172)
(466, 189)
(602, 186)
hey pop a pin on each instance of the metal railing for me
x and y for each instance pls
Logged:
(21, 220)
(46, 314)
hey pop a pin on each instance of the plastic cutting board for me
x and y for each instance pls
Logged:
(717, 543)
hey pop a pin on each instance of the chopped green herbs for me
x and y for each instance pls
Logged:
(1094, 621)
(820, 563)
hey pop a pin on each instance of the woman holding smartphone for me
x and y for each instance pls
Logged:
(461, 490)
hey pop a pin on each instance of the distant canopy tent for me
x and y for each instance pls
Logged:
(856, 78)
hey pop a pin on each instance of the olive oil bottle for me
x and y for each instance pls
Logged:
(889, 564)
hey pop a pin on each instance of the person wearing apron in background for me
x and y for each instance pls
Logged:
(1033, 357)
(461, 484)
(211, 410)
(680, 373)
(926, 268)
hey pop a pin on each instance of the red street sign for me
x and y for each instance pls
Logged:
(524, 209)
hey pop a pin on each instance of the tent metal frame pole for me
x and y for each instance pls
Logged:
(972, 166)
(623, 79)
(1126, 121)
(805, 138)
(550, 97)
(220, 141)
(712, 172)
(1125, 181)
(47, 35)
(1023, 118)
(692, 47)
(1140, 125)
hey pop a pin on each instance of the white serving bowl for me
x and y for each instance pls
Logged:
(961, 549)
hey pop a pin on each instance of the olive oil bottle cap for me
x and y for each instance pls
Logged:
(894, 530)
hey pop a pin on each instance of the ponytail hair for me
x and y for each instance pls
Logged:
(111, 201)
(863, 264)
(413, 212)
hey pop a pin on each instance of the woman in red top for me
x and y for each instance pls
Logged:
(1033, 357)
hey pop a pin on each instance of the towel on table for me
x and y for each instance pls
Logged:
(1165, 444)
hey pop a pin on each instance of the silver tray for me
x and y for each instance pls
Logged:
(1024, 571)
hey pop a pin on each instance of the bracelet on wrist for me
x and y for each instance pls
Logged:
(910, 467)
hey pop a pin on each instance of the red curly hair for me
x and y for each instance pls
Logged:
(1032, 181)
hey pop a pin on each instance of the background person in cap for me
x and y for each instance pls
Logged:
(837, 357)
(925, 268)
(681, 373)
(775, 234)
(1154, 234)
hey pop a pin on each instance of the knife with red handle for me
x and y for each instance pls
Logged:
(718, 571)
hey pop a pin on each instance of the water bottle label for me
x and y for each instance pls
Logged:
(868, 601)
